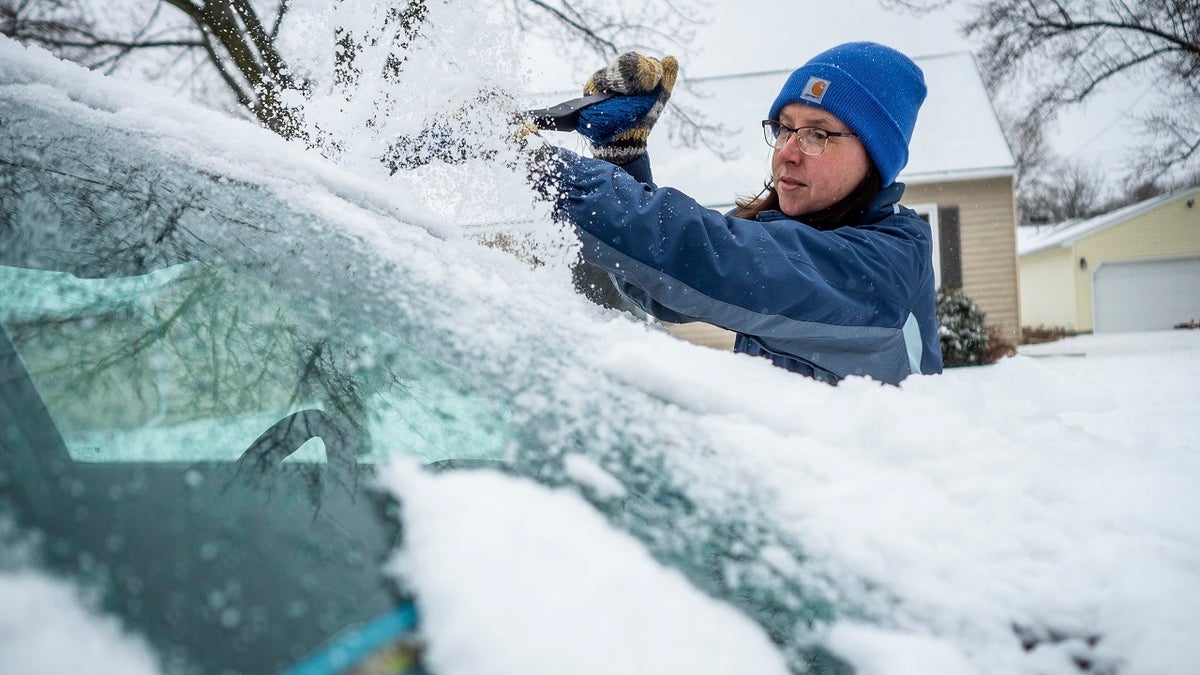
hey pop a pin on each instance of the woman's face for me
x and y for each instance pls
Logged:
(807, 184)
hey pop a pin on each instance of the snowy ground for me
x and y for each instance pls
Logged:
(1153, 376)
(1055, 490)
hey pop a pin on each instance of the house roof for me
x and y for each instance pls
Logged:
(957, 136)
(1035, 238)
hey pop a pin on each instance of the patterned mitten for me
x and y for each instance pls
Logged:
(618, 128)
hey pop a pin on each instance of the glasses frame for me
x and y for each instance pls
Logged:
(787, 133)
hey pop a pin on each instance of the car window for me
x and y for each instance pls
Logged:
(148, 342)
(190, 362)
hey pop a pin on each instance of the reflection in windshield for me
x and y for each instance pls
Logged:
(198, 366)
(147, 346)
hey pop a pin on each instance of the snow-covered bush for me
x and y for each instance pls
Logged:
(961, 328)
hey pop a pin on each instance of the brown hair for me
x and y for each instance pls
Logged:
(848, 211)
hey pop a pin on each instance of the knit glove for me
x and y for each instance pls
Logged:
(618, 128)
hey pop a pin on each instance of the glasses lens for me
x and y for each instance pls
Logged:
(771, 132)
(811, 140)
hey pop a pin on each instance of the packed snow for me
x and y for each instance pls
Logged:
(551, 584)
(46, 626)
(1054, 491)
(1050, 497)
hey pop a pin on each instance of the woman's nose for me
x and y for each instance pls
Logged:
(790, 151)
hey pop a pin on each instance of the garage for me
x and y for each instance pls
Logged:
(1156, 294)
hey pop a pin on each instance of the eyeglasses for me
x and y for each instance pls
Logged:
(810, 140)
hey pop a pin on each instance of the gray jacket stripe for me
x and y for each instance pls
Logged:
(912, 341)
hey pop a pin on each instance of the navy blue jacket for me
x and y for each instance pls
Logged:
(850, 301)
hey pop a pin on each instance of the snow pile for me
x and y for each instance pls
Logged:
(45, 628)
(1021, 518)
(517, 579)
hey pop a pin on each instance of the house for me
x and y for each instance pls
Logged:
(1135, 268)
(960, 176)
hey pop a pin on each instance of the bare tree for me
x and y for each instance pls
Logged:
(238, 40)
(1062, 191)
(1066, 50)
(1174, 133)
(1027, 140)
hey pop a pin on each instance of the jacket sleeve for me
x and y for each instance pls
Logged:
(684, 261)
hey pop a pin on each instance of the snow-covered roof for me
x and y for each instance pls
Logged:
(957, 136)
(1035, 238)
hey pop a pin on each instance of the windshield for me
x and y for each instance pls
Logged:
(220, 364)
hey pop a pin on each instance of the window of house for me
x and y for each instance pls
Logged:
(947, 244)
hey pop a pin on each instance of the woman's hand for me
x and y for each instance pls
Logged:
(619, 127)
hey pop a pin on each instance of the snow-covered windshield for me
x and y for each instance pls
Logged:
(166, 314)
(177, 282)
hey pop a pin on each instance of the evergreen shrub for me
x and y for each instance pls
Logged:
(961, 327)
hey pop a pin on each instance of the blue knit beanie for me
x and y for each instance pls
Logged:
(875, 90)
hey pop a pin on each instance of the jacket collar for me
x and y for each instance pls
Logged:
(885, 203)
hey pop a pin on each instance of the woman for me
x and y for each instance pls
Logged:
(824, 273)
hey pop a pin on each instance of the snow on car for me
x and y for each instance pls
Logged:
(255, 401)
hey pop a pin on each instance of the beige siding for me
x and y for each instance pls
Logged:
(1172, 230)
(988, 225)
(1048, 290)
(703, 334)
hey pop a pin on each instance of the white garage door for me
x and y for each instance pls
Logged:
(1146, 294)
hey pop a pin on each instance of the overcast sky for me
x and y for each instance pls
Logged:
(757, 35)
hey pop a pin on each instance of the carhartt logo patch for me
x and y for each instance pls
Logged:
(814, 91)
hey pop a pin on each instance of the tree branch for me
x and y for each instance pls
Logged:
(1119, 68)
(1182, 44)
(269, 57)
(279, 12)
(599, 43)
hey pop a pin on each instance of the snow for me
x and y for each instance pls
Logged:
(518, 579)
(40, 615)
(1054, 491)
(875, 651)
(586, 472)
